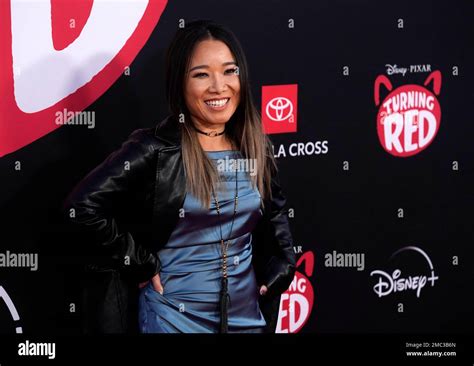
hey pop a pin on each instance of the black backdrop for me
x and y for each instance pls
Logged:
(335, 209)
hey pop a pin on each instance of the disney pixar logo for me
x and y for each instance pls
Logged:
(409, 117)
(395, 69)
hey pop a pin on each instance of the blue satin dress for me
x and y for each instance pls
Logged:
(192, 264)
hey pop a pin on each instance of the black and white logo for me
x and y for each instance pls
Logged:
(395, 282)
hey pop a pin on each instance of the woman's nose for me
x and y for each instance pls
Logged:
(217, 84)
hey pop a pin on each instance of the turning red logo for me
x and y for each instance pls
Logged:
(297, 302)
(279, 107)
(62, 55)
(409, 117)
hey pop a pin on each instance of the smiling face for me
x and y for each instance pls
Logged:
(212, 85)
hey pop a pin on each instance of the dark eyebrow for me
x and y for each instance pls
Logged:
(206, 66)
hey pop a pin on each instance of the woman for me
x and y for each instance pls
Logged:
(174, 210)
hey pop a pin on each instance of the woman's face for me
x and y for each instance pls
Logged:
(212, 85)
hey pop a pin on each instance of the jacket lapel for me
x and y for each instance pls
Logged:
(170, 183)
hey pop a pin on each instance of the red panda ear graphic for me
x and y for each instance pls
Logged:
(436, 77)
(308, 259)
(381, 79)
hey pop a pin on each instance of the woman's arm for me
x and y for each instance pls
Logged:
(280, 268)
(90, 207)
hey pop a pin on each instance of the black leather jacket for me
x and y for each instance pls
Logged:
(125, 210)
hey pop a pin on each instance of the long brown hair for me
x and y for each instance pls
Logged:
(244, 129)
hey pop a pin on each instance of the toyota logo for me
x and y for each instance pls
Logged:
(279, 109)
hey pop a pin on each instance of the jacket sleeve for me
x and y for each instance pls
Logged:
(90, 207)
(280, 268)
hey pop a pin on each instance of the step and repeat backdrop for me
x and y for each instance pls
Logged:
(368, 105)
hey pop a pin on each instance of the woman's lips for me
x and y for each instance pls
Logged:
(217, 104)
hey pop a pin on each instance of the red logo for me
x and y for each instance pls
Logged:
(297, 302)
(279, 108)
(409, 117)
(58, 54)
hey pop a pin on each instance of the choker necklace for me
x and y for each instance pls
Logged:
(213, 133)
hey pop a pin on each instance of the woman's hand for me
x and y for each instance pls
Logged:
(156, 283)
(263, 290)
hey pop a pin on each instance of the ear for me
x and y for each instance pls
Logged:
(436, 77)
(381, 79)
(308, 258)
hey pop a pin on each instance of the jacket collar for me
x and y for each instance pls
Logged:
(168, 131)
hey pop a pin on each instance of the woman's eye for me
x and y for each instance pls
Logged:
(228, 72)
(232, 71)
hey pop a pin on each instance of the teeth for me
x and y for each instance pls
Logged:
(217, 103)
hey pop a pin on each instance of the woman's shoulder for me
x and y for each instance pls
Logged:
(154, 138)
(143, 136)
